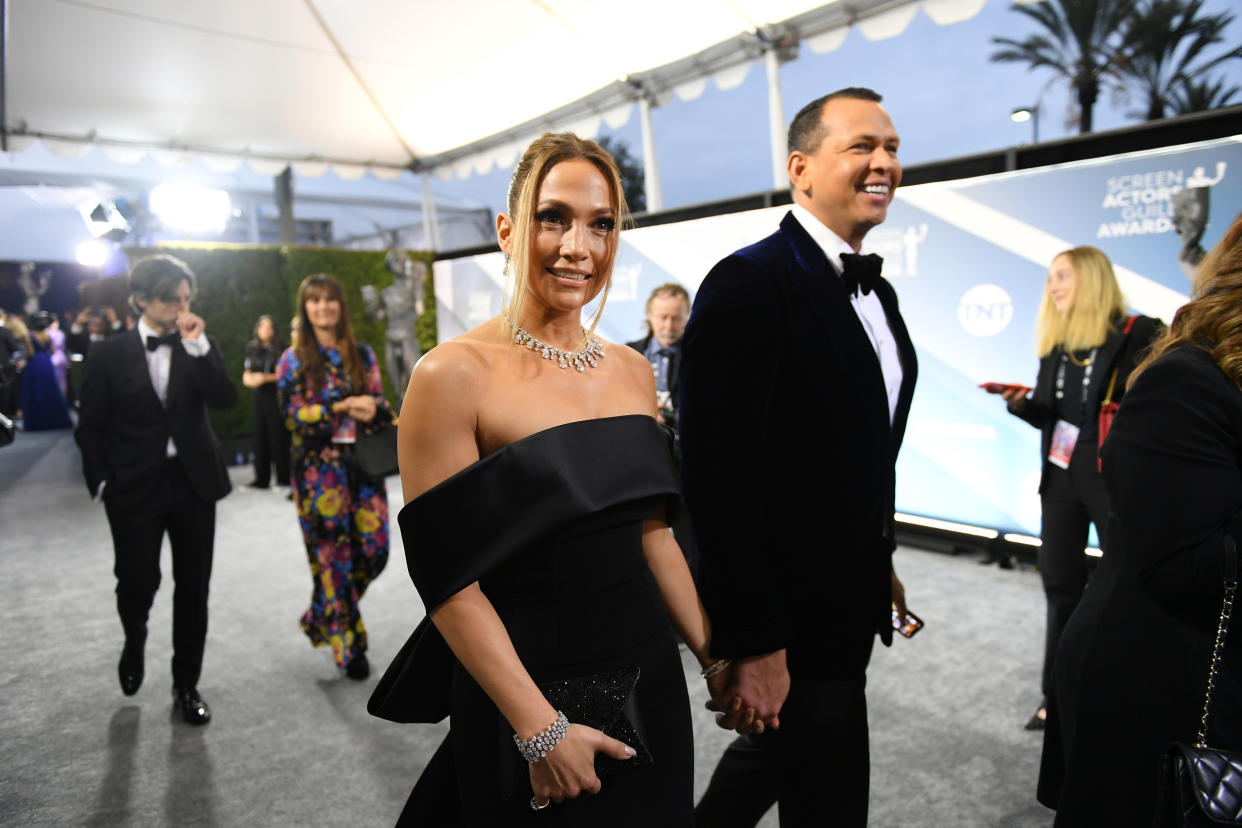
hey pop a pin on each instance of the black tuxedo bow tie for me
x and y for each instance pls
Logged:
(154, 342)
(860, 272)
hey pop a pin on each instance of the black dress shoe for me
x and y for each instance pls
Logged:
(358, 668)
(130, 669)
(193, 709)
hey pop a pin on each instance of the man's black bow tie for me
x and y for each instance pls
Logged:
(860, 272)
(154, 342)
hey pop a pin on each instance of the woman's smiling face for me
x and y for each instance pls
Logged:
(573, 235)
(1062, 284)
(323, 310)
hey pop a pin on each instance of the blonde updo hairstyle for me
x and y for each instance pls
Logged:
(544, 153)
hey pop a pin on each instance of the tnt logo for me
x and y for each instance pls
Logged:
(985, 310)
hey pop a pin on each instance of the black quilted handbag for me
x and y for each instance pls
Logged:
(1202, 786)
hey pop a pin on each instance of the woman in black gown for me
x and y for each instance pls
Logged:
(537, 483)
(1133, 663)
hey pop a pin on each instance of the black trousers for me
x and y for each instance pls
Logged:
(271, 439)
(816, 767)
(1072, 500)
(137, 534)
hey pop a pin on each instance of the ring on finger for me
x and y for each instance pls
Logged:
(535, 806)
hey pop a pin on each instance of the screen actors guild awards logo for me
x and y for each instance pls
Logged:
(1154, 202)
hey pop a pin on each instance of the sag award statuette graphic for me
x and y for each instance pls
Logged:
(1155, 201)
(399, 306)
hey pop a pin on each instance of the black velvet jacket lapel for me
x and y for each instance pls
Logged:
(819, 281)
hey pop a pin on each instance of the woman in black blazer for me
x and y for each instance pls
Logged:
(1133, 663)
(271, 437)
(1087, 347)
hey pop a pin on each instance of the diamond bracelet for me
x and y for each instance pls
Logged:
(537, 746)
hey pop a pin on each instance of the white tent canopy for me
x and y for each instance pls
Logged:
(384, 84)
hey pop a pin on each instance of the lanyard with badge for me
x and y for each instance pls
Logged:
(1065, 434)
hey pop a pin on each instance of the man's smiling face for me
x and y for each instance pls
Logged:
(848, 182)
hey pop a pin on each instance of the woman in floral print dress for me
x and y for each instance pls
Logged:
(330, 389)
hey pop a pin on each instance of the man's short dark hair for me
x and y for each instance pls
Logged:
(807, 131)
(157, 277)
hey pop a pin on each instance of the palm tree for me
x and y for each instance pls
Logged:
(1164, 39)
(1201, 95)
(1080, 43)
(632, 181)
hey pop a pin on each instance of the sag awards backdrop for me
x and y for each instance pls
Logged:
(968, 260)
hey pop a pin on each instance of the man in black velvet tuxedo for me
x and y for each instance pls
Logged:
(796, 379)
(149, 452)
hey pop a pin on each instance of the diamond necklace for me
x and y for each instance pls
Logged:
(590, 355)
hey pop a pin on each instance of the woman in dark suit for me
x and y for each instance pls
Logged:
(271, 438)
(1087, 347)
(1133, 663)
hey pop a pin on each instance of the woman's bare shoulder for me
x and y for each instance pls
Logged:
(464, 359)
(632, 360)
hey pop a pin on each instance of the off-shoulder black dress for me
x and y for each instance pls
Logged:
(551, 528)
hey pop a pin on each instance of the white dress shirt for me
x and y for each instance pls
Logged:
(869, 308)
(159, 362)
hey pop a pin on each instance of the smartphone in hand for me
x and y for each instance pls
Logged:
(907, 628)
(1002, 387)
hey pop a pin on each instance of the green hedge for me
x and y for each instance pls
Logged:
(238, 284)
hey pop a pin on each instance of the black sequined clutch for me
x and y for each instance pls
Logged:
(604, 701)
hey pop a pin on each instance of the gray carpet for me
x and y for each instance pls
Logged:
(292, 744)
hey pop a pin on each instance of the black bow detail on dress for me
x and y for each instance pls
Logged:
(860, 272)
(154, 342)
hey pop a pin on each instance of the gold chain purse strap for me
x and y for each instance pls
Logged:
(1222, 630)
(1112, 383)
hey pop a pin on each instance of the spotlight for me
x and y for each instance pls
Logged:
(191, 207)
(93, 253)
(1020, 115)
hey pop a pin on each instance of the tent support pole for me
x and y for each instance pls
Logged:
(431, 227)
(4, 75)
(776, 119)
(651, 164)
(284, 201)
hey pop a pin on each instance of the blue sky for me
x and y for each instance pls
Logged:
(945, 96)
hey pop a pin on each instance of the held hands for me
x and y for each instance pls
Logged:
(731, 715)
(755, 690)
(569, 769)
